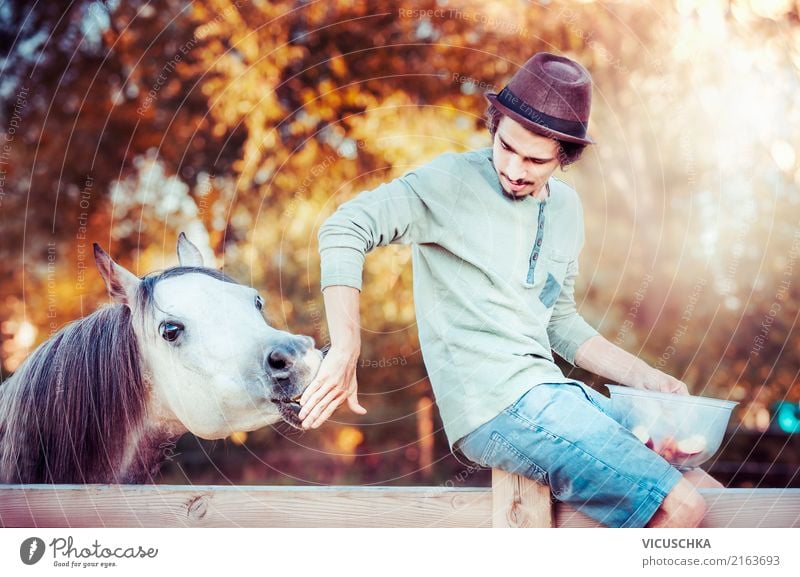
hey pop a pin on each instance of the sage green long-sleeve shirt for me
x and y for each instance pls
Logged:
(494, 278)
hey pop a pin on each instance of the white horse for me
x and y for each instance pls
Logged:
(186, 349)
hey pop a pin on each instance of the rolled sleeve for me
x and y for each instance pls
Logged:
(567, 329)
(341, 266)
(397, 212)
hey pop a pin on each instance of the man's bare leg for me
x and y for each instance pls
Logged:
(702, 480)
(683, 507)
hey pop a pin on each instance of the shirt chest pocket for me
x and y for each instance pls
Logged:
(555, 266)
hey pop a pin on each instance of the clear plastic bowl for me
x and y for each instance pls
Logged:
(685, 430)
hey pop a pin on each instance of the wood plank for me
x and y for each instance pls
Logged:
(743, 508)
(566, 516)
(752, 507)
(213, 506)
(519, 502)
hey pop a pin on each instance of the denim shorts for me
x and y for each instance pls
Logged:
(564, 435)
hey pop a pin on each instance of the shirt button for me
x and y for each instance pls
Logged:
(539, 242)
(536, 256)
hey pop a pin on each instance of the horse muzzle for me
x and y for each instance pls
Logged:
(288, 410)
(291, 365)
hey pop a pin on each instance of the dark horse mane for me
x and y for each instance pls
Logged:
(68, 414)
(70, 407)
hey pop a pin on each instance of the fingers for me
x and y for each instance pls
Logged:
(354, 405)
(320, 386)
(325, 399)
(321, 381)
(322, 405)
(335, 382)
(322, 392)
(312, 395)
(323, 409)
(668, 385)
(677, 387)
(657, 380)
(335, 368)
(682, 389)
(311, 391)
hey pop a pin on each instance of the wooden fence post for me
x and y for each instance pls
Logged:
(519, 502)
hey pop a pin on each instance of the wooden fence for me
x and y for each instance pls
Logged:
(512, 501)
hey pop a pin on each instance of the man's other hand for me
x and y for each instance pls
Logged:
(655, 380)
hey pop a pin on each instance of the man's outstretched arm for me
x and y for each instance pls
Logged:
(335, 382)
(394, 213)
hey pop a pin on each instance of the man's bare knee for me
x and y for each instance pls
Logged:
(682, 507)
(702, 480)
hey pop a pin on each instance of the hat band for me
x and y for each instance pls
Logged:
(515, 103)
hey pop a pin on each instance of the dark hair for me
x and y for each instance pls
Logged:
(568, 152)
(67, 412)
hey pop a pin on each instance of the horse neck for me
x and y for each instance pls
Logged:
(145, 453)
(147, 447)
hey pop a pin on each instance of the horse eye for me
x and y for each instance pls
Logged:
(259, 302)
(170, 331)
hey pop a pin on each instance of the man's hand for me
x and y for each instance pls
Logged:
(335, 382)
(655, 380)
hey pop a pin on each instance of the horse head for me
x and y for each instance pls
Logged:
(213, 364)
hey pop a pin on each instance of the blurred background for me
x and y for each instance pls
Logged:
(245, 123)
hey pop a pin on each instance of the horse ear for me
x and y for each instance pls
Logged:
(188, 254)
(120, 282)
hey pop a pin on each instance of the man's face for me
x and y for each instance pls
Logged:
(523, 160)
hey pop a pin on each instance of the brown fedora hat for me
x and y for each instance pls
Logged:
(550, 95)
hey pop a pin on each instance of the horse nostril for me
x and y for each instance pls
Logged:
(280, 359)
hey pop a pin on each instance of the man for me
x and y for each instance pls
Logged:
(496, 240)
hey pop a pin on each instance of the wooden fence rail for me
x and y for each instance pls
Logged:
(512, 501)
